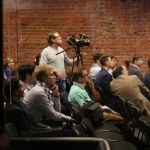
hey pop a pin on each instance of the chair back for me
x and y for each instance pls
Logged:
(12, 130)
(77, 111)
(61, 143)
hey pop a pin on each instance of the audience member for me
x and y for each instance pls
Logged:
(129, 88)
(40, 101)
(135, 67)
(96, 66)
(48, 56)
(114, 64)
(14, 71)
(15, 112)
(79, 94)
(104, 78)
(147, 76)
(27, 76)
(8, 65)
(37, 59)
(127, 63)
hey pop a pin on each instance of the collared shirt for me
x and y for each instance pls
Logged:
(94, 70)
(79, 94)
(27, 87)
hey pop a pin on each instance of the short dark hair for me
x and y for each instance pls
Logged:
(78, 72)
(127, 63)
(112, 56)
(24, 69)
(104, 59)
(97, 56)
(50, 37)
(148, 62)
(37, 59)
(117, 71)
(135, 57)
(10, 85)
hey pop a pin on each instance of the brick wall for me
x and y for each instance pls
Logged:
(120, 28)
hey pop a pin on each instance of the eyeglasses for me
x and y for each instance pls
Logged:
(85, 75)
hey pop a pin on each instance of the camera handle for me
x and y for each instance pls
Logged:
(64, 50)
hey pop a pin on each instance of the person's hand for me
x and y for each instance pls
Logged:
(54, 90)
(70, 122)
(83, 55)
(58, 75)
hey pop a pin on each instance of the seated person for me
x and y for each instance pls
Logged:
(135, 66)
(96, 66)
(147, 76)
(104, 78)
(14, 112)
(129, 88)
(26, 74)
(40, 101)
(79, 94)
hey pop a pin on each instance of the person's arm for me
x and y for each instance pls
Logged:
(58, 74)
(45, 105)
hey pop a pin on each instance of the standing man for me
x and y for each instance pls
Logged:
(135, 67)
(48, 56)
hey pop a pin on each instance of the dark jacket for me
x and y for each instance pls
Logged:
(103, 80)
(16, 114)
(133, 70)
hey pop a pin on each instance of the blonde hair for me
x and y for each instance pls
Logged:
(42, 70)
(7, 61)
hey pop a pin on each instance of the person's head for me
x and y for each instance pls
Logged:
(137, 60)
(9, 63)
(13, 88)
(148, 62)
(127, 63)
(54, 39)
(44, 73)
(96, 57)
(119, 70)
(37, 59)
(113, 61)
(80, 75)
(4, 139)
(14, 71)
(25, 72)
(106, 61)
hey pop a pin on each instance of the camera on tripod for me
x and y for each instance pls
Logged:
(80, 41)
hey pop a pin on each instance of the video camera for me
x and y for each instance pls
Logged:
(80, 41)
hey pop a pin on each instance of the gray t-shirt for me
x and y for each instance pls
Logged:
(48, 56)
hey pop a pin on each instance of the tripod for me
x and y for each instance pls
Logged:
(79, 58)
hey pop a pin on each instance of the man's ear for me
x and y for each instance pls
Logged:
(52, 39)
(43, 78)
